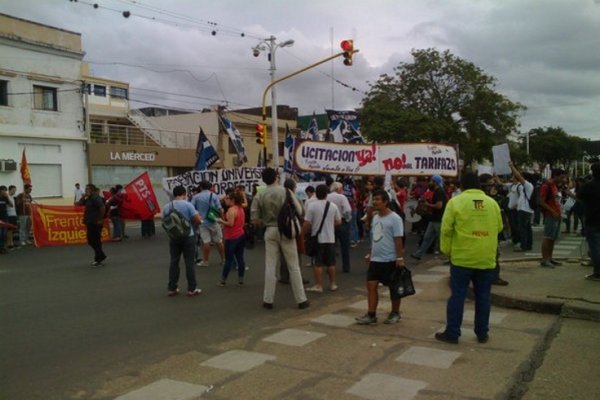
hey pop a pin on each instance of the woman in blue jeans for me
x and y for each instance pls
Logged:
(235, 238)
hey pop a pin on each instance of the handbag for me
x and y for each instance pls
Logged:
(213, 212)
(403, 283)
(313, 241)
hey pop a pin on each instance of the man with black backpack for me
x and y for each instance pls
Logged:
(265, 210)
(179, 216)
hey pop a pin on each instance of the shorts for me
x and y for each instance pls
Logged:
(384, 272)
(551, 228)
(211, 233)
(325, 256)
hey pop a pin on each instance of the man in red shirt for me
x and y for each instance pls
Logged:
(550, 205)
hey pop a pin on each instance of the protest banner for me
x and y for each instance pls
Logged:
(407, 159)
(61, 225)
(139, 202)
(221, 179)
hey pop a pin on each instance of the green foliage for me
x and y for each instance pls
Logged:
(439, 98)
(554, 146)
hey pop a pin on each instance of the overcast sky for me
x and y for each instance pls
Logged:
(544, 54)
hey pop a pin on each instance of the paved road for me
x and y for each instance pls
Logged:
(66, 329)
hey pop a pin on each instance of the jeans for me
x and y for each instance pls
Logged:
(354, 227)
(513, 221)
(24, 225)
(431, 234)
(94, 239)
(482, 287)
(117, 226)
(2, 238)
(185, 248)
(234, 253)
(525, 232)
(342, 234)
(592, 235)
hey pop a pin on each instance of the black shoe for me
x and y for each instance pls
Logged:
(305, 281)
(268, 306)
(483, 339)
(284, 282)
(416, 257)
(303, 305)
(442, 337)
(500, 282)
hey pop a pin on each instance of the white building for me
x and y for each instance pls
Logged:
(41, 107)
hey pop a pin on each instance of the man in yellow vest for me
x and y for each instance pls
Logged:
(469, 236)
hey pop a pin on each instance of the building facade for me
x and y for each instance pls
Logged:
(41, 107)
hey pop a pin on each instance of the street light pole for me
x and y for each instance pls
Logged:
(270, 45)
(274, 127)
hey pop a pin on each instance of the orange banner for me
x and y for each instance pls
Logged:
(61, 225)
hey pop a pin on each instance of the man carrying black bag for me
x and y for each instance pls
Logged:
(387, 255)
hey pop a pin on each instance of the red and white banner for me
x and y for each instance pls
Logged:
(60, 225)
(139, 201)
(408, 159)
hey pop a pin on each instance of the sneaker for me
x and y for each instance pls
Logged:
(303, 305)
(587, 263)
(96, 264)
(353, 244)
(393, 318)
(314, 289)
(500, 282)
(194, 292)
(240, 284)
(172, 293)
(366, 320)
(546, 264)
(202, 264)
(554, 262)
(333, 287)
(221, 283)
(416, 257)
(593, 277)
(442, 337)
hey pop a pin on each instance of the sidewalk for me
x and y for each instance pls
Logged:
(320, 353)
(561, 290)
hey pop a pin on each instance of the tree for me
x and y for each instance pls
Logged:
(439, 98)
(552, 145)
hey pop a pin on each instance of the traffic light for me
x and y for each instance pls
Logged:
(261, 134)
(348, 47)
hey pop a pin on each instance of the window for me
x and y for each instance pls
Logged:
(87, 88)
(44, 98)
(46, 180)
(3, 93)
(118, 93)
(100, 90)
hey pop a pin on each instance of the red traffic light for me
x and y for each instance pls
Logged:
(347, 45)
(260, 134)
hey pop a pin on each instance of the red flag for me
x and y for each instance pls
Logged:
(25, 174)
(139, 200)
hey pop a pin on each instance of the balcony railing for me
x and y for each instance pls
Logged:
(132, 135)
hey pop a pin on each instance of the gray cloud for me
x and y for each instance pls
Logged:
(543, 53)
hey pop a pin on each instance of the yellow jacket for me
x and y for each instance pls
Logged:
(470, 228)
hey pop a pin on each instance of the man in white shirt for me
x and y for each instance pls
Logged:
(513, 200)
(77, 194)
(524, 211)
(342, 231)
(325, 256)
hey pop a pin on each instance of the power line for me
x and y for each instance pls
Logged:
(212, 27)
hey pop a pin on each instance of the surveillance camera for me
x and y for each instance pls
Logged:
(255, 52)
